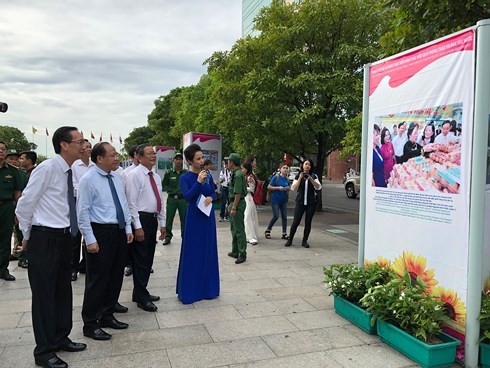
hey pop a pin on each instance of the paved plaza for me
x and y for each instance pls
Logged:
(273, 311)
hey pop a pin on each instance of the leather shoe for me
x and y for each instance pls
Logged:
(166, 242)
(73, 347)
(233, 255)
(114, 323)
(154, 298)
(128, 271)
(54, 362)
(74, 276)
(240, 259)
(119, 308)
(148, 306)
(7, 276)
(305, 244)
(288, 243)
(97, 334)
(23, 263)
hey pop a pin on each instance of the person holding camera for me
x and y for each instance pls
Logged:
(305, 183)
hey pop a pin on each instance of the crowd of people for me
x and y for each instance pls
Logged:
(112, 217)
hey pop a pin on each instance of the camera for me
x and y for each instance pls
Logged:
(306, 176)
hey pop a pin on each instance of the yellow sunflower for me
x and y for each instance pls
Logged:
(415, 266)
(383, 262)
(486, 287)
(456, 309)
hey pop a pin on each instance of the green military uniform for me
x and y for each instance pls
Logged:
(18, 237)
(237, 222)
(10, 182)
(175, 201)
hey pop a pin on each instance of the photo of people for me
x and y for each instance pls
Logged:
(419, 150)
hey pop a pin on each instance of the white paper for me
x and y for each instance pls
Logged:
(202, 206)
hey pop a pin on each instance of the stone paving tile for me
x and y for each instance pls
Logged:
(231, 298)
(219, 354)
(10, 320)
(320, 302)
(309, 271)
(317, 319)
(311, 360)
(148, 360)
(300, 281)
(279, 265)
(197, 316)
(265, 274)
(360, 334)
(278, 307)
(251, 327)
(18, 284)
(292, 292)
(250, 284)
(301, 342)
(16, 336)
(374, 356)
(17, 356)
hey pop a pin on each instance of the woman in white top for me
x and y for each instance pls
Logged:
(251, 218)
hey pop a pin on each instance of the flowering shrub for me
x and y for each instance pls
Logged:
(405, 303)
(352, 282)
(485, 316)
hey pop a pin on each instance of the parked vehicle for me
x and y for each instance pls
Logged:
(293, 171)
(352, 184)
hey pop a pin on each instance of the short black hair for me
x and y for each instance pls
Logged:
(5, 144)
(411, 128)
(208, 162)
(30, 155)
(376, 128)
(190, 151)
(400, 125)
(62, 134)
(140, 150)
(131, 151)
(98, 150)
(312, 165)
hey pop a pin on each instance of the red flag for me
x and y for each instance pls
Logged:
(92, 135)
(100, 139)
(110, 137)
(47, 133)
(120, 140)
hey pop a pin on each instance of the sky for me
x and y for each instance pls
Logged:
(99, 65)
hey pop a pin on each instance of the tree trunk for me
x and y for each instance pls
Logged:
(320, 163)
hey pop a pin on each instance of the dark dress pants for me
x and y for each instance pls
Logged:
(142, 254)
(76, 264)
(299, 210)
(104, 277)
(49, 257)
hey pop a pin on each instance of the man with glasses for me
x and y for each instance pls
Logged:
(47, 218)
(144, 192)
(105, 222)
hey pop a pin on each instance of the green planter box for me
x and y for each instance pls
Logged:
(354, 314)
(484, 355)
(428, 356)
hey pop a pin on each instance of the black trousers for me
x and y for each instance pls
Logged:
(104, 276)
(299, 210)
(76, 264)
(142, 254)
(49, 256)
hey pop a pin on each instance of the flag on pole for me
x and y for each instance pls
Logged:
(100, 139)
(120, 139)
(34, 130)
(92, 135)
(110, 137)
(47, 133)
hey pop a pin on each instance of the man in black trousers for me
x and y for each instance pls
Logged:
(47, 218)
(105, 223)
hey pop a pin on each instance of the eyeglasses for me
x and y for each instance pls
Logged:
(79, 142)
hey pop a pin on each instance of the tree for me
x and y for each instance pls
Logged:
(138, 136)
(352, 142)
(292, 88)
(14, 138)
(421, 21)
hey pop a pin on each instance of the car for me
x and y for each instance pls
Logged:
(293, 171)
(352, 185)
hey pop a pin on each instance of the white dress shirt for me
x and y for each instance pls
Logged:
(95, 202)
(44, 202)
(126, 171)
(79, 169)
(398, 143)
(444, 139)
(141, 197)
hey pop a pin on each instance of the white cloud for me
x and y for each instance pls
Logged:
(100, 64)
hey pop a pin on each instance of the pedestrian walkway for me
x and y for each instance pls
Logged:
(274, 311)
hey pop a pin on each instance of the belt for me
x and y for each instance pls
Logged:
(149, 214)
(47, 229)
(5, 202)
(109, 226)
(176, 196)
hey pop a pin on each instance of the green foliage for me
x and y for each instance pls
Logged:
(41, 158)
(485, 316)
(14, 138)
(138, 136)
(421, 21)
(352, 282)
(406, 305)
(352, 142)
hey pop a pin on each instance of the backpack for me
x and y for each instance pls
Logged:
(258, 194)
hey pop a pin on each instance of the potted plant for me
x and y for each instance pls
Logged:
(410, 320)
(348, 284)
(485, 329)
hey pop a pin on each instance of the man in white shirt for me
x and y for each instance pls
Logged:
(47, 218)
(399, 141)
(79, 168)
(446, 135)
(144, 193)
(224, 179)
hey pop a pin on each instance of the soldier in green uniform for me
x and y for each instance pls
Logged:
(237, 191)
(175, 200)
(13, 159)
(10, 188)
